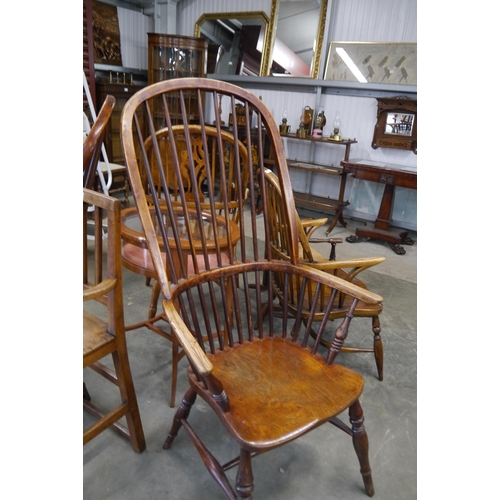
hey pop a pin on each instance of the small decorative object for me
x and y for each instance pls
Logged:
(131, 79)
(336, 128)
(284, 128)
(302, 130)
(319, 123)
(240, 116)
(307, 119)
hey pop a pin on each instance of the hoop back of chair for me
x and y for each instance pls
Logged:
(93, 142)
(209, 172)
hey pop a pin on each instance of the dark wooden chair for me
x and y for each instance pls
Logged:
(347, 269)
(93, 142)
(103, 332)
(266, 377)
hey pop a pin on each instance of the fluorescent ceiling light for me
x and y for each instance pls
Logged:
(226, 26)
(350, 64)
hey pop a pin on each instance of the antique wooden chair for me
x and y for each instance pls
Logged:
(348, 269)
(103, 332)
(271, 384)
(93, 142)
(135, 255)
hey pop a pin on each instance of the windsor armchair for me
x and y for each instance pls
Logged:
(347, 269)
(267, 379)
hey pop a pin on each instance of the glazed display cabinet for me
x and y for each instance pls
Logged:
(176, 56)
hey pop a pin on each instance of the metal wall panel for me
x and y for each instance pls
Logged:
(134, 27)
(374, 21)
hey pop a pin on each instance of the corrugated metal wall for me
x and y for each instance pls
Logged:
(134, 28)
(373, 21)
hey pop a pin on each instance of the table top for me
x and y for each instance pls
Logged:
(358, 162)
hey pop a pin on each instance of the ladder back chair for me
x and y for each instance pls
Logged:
(103, 330)
(266, 378)
(347, 269)
(93, 142)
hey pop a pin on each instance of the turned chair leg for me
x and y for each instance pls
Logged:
(360, 442)
(181, 414)
(155, 296)
(244, 478)
(378, 348)
(175, 366)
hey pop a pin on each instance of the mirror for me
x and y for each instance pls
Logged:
(399, 123)
(236, 42)
(396, 125)
(298, 40)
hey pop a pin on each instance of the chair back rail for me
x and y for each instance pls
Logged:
(93, 142)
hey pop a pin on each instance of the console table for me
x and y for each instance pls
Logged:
(391, 175)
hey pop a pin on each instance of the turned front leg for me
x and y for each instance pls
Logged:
(378, 348)
(360, 442)
(244, 478)
(181, 414)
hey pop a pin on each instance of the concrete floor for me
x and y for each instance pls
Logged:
(320, 465)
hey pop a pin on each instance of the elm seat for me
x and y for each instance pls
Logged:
(288, 391)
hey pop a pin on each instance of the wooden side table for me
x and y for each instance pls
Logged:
(391, 175)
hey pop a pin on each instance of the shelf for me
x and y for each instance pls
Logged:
(311, 85)
(314, 167)
(324, 140)
(318, 202)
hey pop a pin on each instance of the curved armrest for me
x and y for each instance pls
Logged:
(351, 267)
(191, 347)
(92, 292)
(310, 225)
(344, 286)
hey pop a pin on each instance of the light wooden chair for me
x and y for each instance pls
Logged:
(347, 269)
(104, 334)
(271, 384)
